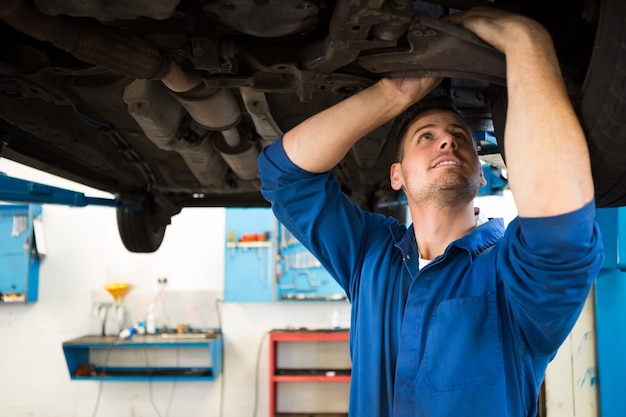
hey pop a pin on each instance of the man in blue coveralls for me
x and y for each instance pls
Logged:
(451, 316)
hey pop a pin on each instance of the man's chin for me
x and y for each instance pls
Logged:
(456, 193)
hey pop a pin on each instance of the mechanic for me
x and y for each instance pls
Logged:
(451, 317)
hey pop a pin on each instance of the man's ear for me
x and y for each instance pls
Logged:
(395, 175)
(483, 181)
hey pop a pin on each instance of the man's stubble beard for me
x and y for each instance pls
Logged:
(451, 191)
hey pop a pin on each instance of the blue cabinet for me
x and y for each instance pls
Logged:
(265, 263)
(249, 262)
(19, 259)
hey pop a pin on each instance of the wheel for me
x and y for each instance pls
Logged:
(139, 230)
(602, 107)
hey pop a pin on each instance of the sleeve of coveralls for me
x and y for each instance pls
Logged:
(313, 208)
(547, 267)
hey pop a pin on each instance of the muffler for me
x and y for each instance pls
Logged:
(217, 110)
(159, 115)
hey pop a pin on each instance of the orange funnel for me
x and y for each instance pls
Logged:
(117, 289)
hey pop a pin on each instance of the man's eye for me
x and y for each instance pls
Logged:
(426, 136)
(460, 136)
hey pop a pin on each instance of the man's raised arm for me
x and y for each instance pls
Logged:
(320, 142)
(547, 156)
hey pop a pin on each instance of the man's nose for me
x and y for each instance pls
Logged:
(448, 141)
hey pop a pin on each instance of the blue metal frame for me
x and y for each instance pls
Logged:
(610, 292)
(19, 190)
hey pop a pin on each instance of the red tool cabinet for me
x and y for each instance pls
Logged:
(291, 375)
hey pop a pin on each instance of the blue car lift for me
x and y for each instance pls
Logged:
(19, 190)
(610, 294)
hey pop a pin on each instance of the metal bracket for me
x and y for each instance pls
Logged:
(438, 48)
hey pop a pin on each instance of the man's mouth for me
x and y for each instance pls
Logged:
(446, 162)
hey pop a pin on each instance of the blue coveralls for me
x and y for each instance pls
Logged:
(470, 334)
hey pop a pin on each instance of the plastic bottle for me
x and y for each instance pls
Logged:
(151, 321)
(141, 327)
(127, 333)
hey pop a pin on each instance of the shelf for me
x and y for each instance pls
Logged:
(246, 245)
(310, 335)
(311, 375)
(316, 374)
(141, 374)
(311, 414)
(328, 372)
(159, 357)
(311, 378)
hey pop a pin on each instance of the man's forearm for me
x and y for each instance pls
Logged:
(548, 160)
(547, 156)
(320, 142)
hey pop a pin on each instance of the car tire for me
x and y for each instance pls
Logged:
(602, 105)
(139, 230)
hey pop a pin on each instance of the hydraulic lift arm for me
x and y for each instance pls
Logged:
(19, 190)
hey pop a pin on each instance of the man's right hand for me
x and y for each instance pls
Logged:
(503, 30)
(320, 142)
(409, 89)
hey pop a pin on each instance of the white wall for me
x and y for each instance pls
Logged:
(84, 253)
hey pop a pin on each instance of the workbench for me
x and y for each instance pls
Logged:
(158, 357)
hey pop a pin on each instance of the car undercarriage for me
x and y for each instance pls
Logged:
(167, 104)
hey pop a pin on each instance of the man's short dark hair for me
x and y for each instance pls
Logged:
(440, 102)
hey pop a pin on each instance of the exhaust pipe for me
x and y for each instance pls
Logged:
(217, 109)
(123, 52)
(110, 48)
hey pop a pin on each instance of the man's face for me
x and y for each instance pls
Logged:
(439, 162)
